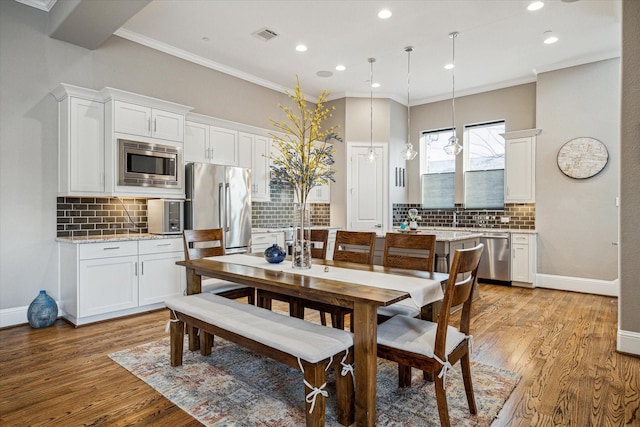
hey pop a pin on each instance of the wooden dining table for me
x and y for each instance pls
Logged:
(362, 299)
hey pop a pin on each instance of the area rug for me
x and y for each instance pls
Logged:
(236, 387)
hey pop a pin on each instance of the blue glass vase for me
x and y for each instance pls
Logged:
(274, 254)
(42, 311)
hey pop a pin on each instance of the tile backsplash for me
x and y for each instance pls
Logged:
(100, 216)
(107, 216)
(521, 216)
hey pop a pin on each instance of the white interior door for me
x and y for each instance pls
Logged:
(367, 195)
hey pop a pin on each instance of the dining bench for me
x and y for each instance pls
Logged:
(297, 343)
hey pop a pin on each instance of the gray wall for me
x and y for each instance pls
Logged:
(577, 220)
(629, 301)
(514, 104)
(31, 65)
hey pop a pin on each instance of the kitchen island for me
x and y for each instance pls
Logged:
(447, 242)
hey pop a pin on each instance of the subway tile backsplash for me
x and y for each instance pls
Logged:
(521, 216)
(108, 216)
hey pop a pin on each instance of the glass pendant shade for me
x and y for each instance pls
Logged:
(371, 155)
(409, 153)
(452, 147)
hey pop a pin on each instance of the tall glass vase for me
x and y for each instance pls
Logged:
(301, 245)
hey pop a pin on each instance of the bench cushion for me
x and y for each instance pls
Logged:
(306, 340)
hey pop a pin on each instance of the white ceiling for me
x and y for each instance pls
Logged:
(500, 42)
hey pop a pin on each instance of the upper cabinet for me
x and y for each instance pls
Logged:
(204, 143)
(520, 166)
(254, 154)
(80, 141)
(90, 124)
(146, 121)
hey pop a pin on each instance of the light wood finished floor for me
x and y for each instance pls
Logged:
(562, 343)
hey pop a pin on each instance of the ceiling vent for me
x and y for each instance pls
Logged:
(265, 34)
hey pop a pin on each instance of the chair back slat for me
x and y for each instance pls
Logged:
(462, 278)
(202, 243)
(354, 246)
(414, 251)
(319, 237)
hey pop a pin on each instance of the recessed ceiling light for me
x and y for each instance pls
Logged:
(375, 85)
(205, 39)
(384, 14)
(301, 48)
(324, 73)
(340, 67)
(536, 5)
(449, 67)
(549, 37)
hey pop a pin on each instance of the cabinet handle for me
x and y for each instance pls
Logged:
(136, 269)
(142, 268)
(111, 248)
(154, 125)
(149, 124)
(164, 244)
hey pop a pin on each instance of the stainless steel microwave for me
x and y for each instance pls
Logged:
(149, 165)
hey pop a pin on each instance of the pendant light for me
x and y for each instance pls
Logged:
(371, 154)
(452, 147)
(408, 153)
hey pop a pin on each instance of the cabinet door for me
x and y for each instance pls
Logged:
(86, 148)
(160, 277)
(520, 265)
(132, 119)
(196, 142)
(108, 284)
(260, 173)
(320, 194)
(167, 125)
(224, 146)
(519, 170)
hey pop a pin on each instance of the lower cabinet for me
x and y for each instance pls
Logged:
(523, 259)
(104, 280)
(262, 240)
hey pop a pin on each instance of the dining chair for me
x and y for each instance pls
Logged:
(350, 246)
(208, 242)
(411, 251)
(318, 239)
(436, 347)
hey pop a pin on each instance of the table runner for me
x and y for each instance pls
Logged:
(422, 291)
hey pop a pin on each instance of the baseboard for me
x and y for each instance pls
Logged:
(578, 284)
(13, 316)
(628, 342)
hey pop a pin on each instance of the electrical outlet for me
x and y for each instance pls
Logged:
(504, 219)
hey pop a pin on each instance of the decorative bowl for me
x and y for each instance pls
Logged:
(274, 254)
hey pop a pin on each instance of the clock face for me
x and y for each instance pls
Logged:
(582, 158)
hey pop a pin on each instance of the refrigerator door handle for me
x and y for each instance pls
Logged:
(227, 214)
(221, 209)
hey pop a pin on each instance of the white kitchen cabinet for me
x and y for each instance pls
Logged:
(141, 120)
(262, 240)
(523, 259)
(160, 278)
(81, 148)
(224, 146)
(254, 154)
(196, 143)
(109, 279)
(520, 166)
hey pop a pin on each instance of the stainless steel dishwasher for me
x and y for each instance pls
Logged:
(495, 263)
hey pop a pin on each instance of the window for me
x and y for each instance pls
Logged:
(437, 171)
(484, 166)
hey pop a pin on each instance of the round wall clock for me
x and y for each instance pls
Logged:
(582, 158)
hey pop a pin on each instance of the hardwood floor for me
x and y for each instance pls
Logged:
(562, 343)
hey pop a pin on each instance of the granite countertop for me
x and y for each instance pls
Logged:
(445, 235)
(117, 238)
(476, 230)
(276, 229)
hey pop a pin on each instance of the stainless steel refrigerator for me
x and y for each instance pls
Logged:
(219, 196)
